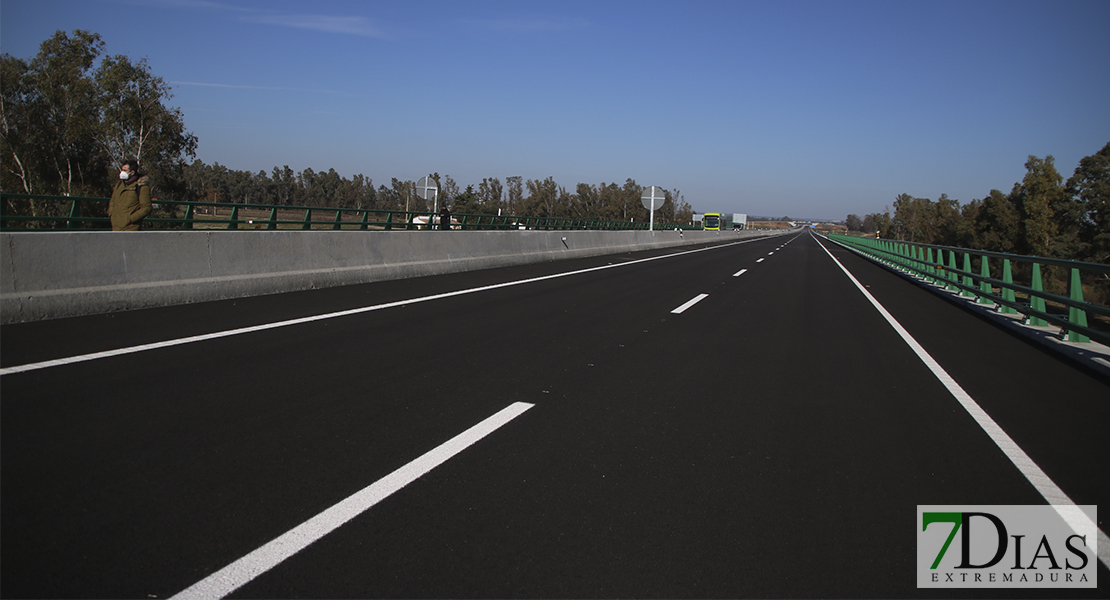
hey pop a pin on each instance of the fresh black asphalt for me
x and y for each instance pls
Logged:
(773, 440)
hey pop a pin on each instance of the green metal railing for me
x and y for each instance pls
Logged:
(952, 269)
(20, 212)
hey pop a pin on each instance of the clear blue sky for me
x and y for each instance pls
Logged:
(808, 109)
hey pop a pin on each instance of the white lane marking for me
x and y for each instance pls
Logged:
(770, 253)
(761, 260)
(239, 573)
(221, 334)
(739, 273)
(1065, 507)
(683, 308)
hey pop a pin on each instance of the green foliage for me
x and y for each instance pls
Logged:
(68, 122)
(1090, 189)
(876, 223)
(1041, 216)
(1040, 193)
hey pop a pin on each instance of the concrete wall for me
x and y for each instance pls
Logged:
(45, 275)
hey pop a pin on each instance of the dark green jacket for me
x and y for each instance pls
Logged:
(130, 203)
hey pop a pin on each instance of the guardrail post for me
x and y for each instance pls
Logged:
(930, 266)
(307, 223)
(273, 219)
(1007, 288)
(338, 223)
(984, 286)
(952, 276)
(1076, 315)
(74, 213)
(967, 281)
(233, 223)
(1035, 301)
(188, 217)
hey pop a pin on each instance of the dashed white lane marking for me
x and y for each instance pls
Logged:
(739, 273)
(1065, 507)
(239, 573)
(696, 299)
(761, 260)
(231, 332)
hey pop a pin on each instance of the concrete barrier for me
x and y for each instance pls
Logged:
(48, 275)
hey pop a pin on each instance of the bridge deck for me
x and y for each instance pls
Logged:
(772, 439)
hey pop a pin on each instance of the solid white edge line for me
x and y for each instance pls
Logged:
(239, 573)
(692, 302)
(221, 334)
(1065, 507)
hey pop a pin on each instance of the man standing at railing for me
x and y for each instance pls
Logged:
(130, 202)
(444, 218)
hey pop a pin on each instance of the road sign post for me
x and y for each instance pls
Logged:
(427, 189)
(651, 194)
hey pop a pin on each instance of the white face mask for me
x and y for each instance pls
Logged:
(124, 175)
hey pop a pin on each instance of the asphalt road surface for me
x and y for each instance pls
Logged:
(728, 421)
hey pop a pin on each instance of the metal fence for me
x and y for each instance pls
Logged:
(20, 212)
(953, 269)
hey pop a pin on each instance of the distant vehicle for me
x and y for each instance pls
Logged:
(739, 221)
(422, 223)
(711, 222)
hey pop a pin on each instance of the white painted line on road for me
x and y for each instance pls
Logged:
(243, 330)
(683, 308)
(239, 573)
(1065, 507)
(770, 253)
(761, 260)
(739, 273)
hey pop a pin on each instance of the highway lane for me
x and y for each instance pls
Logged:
(771, 440)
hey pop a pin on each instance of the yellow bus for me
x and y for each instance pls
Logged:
(711, 221)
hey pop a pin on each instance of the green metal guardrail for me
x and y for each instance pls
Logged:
(19, 212)
(938, 264)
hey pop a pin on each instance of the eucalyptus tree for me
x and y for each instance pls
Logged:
(134, 122)
(1040, 191)
(1090, 186)
(67, 120)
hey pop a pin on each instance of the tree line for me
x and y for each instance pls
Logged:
(69, 117)
(515, 196)
(1043, 215)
